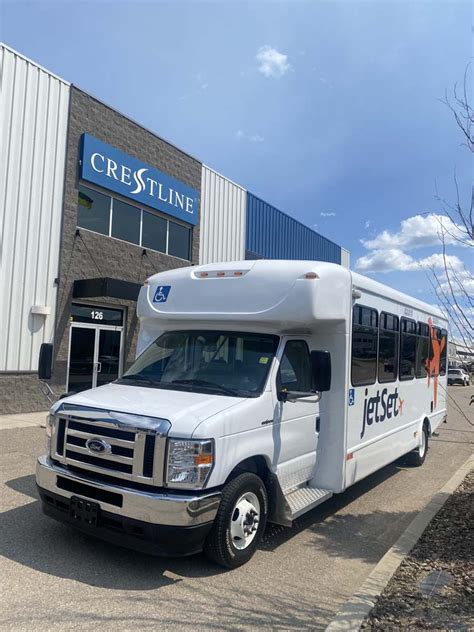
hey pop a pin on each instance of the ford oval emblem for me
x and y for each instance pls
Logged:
(98, 446)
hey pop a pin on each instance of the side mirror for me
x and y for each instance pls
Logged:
(45, 364)
(321, 366)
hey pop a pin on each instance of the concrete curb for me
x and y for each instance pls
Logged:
(356, 609)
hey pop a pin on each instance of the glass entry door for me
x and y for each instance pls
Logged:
(81, 359)
(108, 356)
(94, 356)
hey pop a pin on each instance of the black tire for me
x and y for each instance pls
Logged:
(418, 456)
(219, 546)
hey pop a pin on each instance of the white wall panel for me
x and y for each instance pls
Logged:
(222, 226)
(33, 129)
(345, 258)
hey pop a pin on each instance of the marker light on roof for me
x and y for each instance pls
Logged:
(238, 273)
(220, 274)
(311, 275)
(203, 274)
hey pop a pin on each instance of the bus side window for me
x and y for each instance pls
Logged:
(423, 345)
(388, 347)
(407, 349)
(444, 352)
(364, 345)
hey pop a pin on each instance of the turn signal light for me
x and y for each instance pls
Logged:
(311, 275)
(203, 459)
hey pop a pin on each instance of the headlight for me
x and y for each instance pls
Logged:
(50, 419)
(189, 462)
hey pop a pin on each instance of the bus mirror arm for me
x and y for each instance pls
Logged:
(293, 396)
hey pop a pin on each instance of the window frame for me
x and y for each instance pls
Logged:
(141, 209)
(377, 327)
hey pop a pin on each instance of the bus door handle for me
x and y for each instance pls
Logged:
(98, 366)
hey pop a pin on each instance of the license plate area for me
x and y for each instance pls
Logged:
(84, 511)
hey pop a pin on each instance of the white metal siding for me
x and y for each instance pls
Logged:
(222, 226)
(345, 258)
(33, 121)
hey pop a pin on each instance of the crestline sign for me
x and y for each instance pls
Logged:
(112, 169)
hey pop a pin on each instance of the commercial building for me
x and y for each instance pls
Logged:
(91, 204)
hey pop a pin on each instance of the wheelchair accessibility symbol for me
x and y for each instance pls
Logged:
(352, 397)
(161, 294)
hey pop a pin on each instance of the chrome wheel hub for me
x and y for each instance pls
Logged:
(244, 521)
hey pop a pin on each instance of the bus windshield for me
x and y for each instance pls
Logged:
(217, 362)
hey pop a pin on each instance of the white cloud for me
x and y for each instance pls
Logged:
(271, 62)
(253, 138)
(323, 214)
(368, 223)
(415, 232)
(394, 259)
(464, 278)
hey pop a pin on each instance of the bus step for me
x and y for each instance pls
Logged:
(305, 498)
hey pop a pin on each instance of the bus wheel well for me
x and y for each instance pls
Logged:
(254, 464)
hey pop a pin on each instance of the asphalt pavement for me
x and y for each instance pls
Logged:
(54, 578)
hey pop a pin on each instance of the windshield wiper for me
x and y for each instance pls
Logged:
(139, 377)
(223, 389)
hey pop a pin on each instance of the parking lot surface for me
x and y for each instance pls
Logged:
(54, 578)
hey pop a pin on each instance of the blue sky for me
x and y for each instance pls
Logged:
(329, 110)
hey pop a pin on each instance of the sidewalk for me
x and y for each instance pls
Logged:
(23, 420)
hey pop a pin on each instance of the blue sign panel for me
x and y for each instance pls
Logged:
(161, 294)
(113, 169)
(352, 397)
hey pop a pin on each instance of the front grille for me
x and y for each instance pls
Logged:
(103, 431)
(100, 462)
(132, 454)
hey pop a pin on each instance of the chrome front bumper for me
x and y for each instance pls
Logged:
(164, 508)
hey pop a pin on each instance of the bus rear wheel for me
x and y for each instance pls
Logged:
(418, 456)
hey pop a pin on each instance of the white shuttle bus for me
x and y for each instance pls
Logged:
(260, 389)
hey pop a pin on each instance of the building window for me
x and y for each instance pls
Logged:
(93, 210)
(364, 345)
(388, 347)
(407, 349)
(109, 216)
(154, 232)
(422, 350)
(126, 222)
(179, 240)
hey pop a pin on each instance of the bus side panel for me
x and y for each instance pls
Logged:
(381, 452)
(385, 419)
